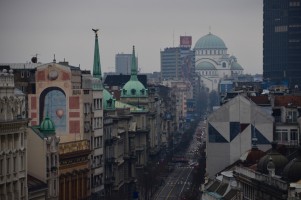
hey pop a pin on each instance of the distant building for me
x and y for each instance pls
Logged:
(282, 41)
(213, 63)
(177, 63)
(123, 63)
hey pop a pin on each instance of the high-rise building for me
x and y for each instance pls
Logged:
(123, 63)
(282, 41)
(177, 63)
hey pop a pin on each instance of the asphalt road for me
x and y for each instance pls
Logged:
(177, 182)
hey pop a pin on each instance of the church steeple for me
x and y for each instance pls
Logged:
(96, 63)
(134, 66)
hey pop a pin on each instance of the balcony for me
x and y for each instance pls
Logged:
(109, 142)
(139, 166)
(139, 148)
(110, 160)
(109, 180)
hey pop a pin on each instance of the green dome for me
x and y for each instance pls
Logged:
(134, 88)
(108, 100)
(210, 41)
(47, 125)
(236, 66)
(292, 171)
(278, 159)
(205, 66)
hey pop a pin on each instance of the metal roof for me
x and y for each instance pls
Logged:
(21, 65)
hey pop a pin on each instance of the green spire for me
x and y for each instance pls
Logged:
(96, 64)
(134, 66)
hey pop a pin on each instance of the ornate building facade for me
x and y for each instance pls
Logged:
(13, 140)
(213, 63)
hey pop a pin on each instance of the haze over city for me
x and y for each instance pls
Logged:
(63, 28)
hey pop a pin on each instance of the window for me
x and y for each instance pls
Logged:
(282, 135)
(291, 117)
(7, 165)
(15, 164)
(133, 91)
(22, 162)
(224, 65)
(1, 166)
(280, 29)
(22, 139)
(22, 74)
(86, 108)
(294, 136)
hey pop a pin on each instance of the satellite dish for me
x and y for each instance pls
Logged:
(34, 59)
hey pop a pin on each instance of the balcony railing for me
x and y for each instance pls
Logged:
(274, 181)
(110, 160)
(110, 180)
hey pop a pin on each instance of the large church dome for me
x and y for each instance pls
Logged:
(210, 41)
(205, 66)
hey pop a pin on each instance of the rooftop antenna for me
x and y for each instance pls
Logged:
(209, 29)
(54, 58)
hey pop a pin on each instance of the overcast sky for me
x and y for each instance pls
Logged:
(63, 28)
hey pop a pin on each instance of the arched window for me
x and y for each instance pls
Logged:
(224, 65)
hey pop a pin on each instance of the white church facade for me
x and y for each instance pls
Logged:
(213, 63)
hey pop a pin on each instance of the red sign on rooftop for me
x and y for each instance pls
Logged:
(185, 41)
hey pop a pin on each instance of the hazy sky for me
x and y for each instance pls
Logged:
(63, 28)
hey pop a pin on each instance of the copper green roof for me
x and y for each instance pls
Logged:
(278, 159)
(205, 66)
(96, 64)
(236, 66)
(47, 126)
(134, 88)
(108, 101)
(210, 41)
(292, 171)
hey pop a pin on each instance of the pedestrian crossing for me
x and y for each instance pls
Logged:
(185, 167)
(178, 183)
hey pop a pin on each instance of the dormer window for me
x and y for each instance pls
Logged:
(142, 91)
(133, 91)
(109, 102)
(124, 92)
(224, 65)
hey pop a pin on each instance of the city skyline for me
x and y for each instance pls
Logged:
(47, 28)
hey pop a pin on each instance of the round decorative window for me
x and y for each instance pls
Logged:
(53, 74)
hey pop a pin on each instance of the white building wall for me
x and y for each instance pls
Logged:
(242, 111)
(36, 167)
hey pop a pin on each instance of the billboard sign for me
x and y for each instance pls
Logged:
(185, 41)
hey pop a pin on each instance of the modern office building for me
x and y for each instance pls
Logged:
(282, 42)
(177, 63)
(123, 63)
